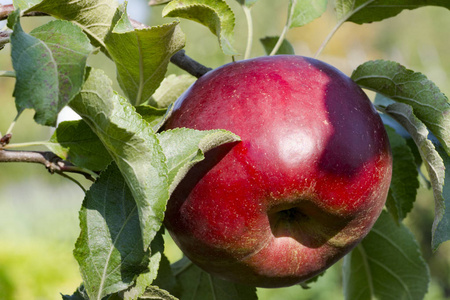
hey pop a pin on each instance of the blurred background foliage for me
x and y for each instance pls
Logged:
(39, 212)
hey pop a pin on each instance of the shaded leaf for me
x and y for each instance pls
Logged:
(305, 11)
(367, 11)
(269, 43)
(145, 279)
(155, 293)
(405, 182)
(170, 89)
(132, 144)
(386, 265)
(442, 229)
(110, 249)
(80, 294)
(403, 114)
(50, 64)
(197, 284)
(396, 82)
(142, 55)
(306, 284)
(95, 17)
(152, 115)
(214, 14)
(183, 147)
(76, 142)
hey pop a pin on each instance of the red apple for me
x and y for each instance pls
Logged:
(303, 187)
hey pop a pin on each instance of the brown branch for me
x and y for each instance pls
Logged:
(6, 10)
(180, 59)
(52, 162)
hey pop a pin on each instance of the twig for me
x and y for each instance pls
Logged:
(6, 10)
(248, 17)
(180, 59)
(52, 162)
(285, 29)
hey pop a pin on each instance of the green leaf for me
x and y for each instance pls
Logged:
(404, 183)
(152, 115)
(171, 89)
(80, 294)
(248, 3)
(142, 55)
(403, 114)
(184, 147)
(442, 229)
(367, 11)
(95, 17)
(386, 265)
(145, 279)
(396, 82)
(214, 14)
(197, 284)
(76, 142)
(132, 144)
(158, 2)
(305, 11)
(110, 249)
(24, 4)
(155, 293)
(50, 64)
(306, 284)
(269, 43)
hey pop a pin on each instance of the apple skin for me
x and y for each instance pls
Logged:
(302, 188)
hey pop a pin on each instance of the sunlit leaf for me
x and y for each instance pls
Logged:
(25, 4)
(170, 89)
(184, 147)
(132, 144)
(95, 17)
(306, 11)
(142, 55)
(386, 265)
(216, 15)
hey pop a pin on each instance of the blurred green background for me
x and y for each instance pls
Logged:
(39, 212)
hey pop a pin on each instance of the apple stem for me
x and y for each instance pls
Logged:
(13, 123)
(248, 17)
(338, 25)
(328, 38)
(285, 29)
(280, 41)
